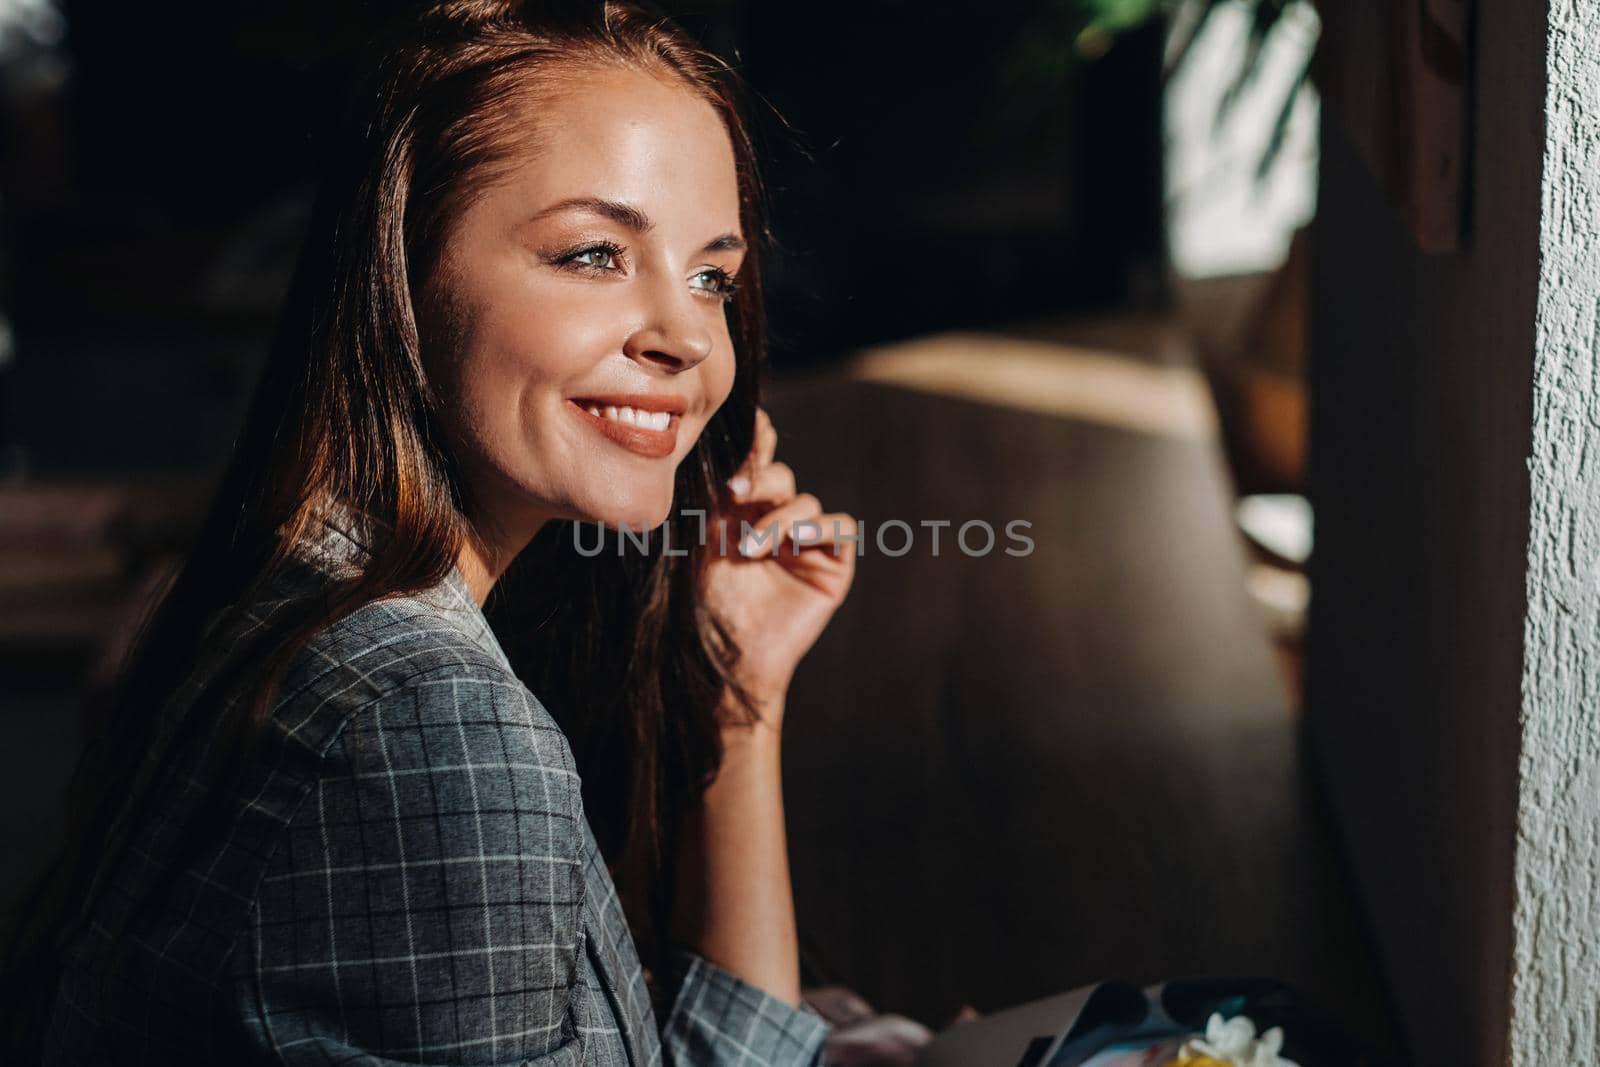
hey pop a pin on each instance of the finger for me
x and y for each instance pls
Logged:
(766, 436)
(792, 520)
(967, 1014)
(879, 1041)
(833, 533)
(838, 526)
(908, 1032)
(838, 1004)
(765, 536)
(762, 448)
(774, 482)
(828, 562)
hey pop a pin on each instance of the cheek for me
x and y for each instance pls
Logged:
(528, 344)
(722, 368)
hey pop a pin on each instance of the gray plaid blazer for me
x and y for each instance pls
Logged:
(405, 875)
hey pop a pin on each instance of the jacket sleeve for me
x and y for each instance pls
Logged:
(426, 903)
(719, 1019)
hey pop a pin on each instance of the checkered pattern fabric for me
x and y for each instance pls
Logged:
(406, 876)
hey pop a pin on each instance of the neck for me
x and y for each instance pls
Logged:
(480, 572)
(488, 551)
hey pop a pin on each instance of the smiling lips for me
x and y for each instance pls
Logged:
(643, 423)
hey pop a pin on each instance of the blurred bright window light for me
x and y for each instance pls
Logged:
(29, 24)
(1223, 217)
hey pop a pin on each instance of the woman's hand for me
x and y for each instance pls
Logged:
(863, 1038)
(733, 901)
(777, 596)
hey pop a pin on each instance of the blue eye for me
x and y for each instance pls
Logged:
(715, 281)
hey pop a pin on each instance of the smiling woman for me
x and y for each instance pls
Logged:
(326, 818)
(611, 293)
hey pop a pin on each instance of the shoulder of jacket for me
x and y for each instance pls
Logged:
(400, 653)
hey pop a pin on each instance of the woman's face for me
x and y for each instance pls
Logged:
(585, 293)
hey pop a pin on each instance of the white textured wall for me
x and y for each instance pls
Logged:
(1556, 977)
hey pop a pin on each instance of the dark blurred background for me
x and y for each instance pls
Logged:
(158, 171)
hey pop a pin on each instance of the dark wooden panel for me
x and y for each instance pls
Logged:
(1011, 776)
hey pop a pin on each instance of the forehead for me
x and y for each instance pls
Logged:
(624, 135)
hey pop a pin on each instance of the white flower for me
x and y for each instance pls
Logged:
(1234, 1041)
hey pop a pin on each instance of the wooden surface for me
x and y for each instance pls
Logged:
(1008, 777)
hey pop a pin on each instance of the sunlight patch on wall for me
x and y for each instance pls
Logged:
(1224, 215)
(1050, 379)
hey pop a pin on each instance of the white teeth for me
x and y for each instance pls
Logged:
(649, 420)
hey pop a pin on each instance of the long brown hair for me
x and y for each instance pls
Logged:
(617, 646)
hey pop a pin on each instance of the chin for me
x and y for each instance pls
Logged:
(642, 512)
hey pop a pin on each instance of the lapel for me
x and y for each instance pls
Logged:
(616, 961)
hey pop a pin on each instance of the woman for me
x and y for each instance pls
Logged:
(328, 821)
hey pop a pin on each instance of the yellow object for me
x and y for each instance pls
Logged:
(1187, 1060)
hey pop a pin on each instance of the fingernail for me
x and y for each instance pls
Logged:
(747, 547)
(739, 484)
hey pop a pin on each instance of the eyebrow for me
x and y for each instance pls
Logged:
(632, 218)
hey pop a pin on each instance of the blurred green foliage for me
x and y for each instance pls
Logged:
(1062, 35)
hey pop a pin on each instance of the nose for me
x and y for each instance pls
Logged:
(674, 333)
